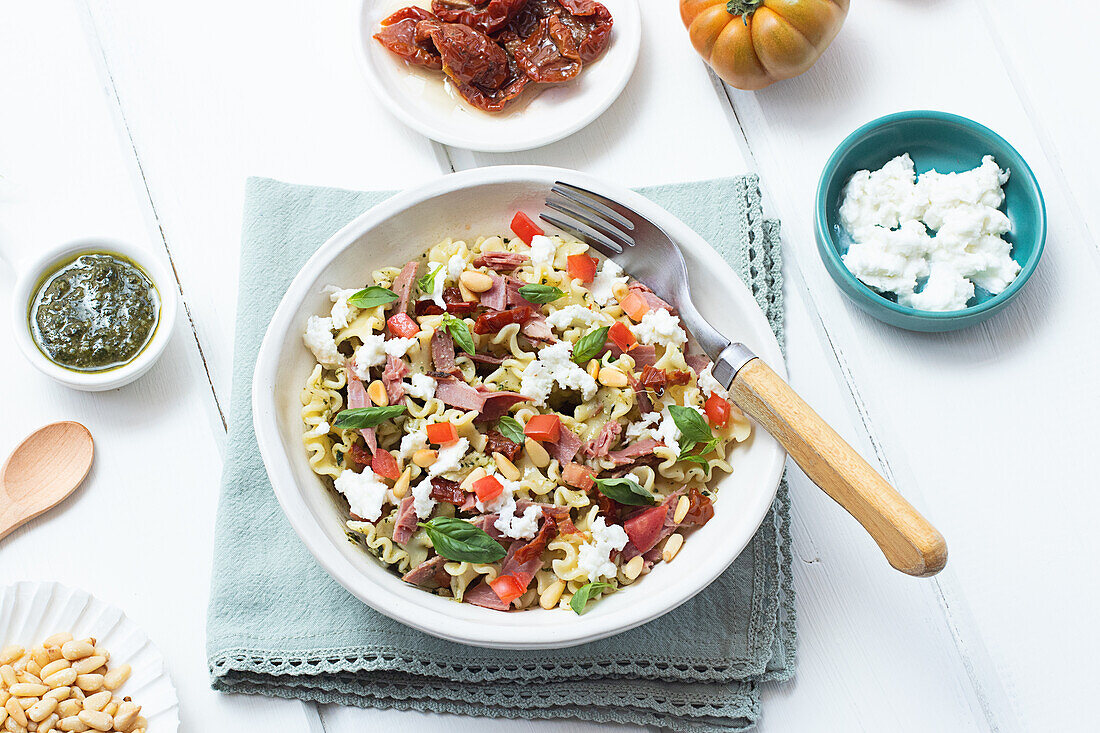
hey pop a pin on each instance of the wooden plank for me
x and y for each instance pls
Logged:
(67, 172)
(952, 413)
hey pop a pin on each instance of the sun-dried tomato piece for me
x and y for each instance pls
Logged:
(427, 308)
(469, 56)
(590, 23)
(534, 548)
(487, 16)
(497, 99)
(493, 321)
(360, 454)
(398, 34)
(448, 491)
(654, 379)
(455, 304)
(700, 508)
(550, 54)
(678, 376)
(497, 443)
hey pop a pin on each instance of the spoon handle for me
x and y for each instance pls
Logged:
(910, 543)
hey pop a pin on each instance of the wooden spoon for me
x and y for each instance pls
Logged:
(43, 471)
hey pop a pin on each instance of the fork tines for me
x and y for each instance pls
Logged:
(589, 217)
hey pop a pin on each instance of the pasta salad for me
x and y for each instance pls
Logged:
(514, 422)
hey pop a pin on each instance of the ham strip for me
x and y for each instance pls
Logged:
(644, 403)
(513, 284)
(357, 397)
(487, 523)
(643, 526)
(405, 525)
(391, 378)
(459, 394)
(567, 446)
(600, 446)
(698, 362)
(497, 404)
(633, 452)
(483, 595)
(502, 261)
(443, 351)
(650, 297)
(538, 329)
(486, 359)
(402, 285)
(496, 297)
(426, 572)
(643, 354)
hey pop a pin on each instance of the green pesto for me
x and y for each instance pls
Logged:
(94, 312)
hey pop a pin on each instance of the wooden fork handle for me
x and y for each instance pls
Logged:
(910, 543)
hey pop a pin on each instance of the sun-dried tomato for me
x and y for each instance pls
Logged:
(590, 23)
(427, 308)
(455, 304)
(654, 379)
(700, 508)
(469, 56)
(678, 376)
(497, 443)
(487, 16)
(497, 99)
(448, 491)
(549, 55)
(534, 548)
(360, 454)
(398, 34)
(607, 506)
(493, 321)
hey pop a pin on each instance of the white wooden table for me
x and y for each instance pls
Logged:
(141, 119)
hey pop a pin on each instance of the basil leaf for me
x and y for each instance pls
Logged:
(510, 428)
(590, 345)
(372, 296)
(461, 541)
(540, 293)
(584, 593)
(693, 428)
(625, 490)
(460, 333)
(426, 283)
(367, 417)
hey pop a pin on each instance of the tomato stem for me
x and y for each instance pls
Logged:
(744, 8)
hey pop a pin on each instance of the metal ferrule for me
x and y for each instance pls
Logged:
(730, 361)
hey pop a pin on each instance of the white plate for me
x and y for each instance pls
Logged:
(482, 201)
(542, 115)
(30, 612)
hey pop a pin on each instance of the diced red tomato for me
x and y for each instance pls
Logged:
(441, 433)
(507, 587)
(634, 306)
(385, 465)
(402, 325)
(524, 228)
(581, 267)
(718, 411)
(582, 477)
(543, 428)
(487, 488)
(621, 335)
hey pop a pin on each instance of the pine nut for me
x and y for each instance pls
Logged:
(16, 712)
(94, 719)
(97, 701)
(672, 546)
(681, 509)
(70, 707)
(77, 694)
(42, 709)
(32, 668)
(11, 653)
(89, 682)
(620, 291)
(633, 568)
(424, 457)
(593, 368)
(127, 715)
(476, 475)
(73, 650)
(536, 453)
(58, 693)
(7, 674)
(58, 640)
(612, 377)
(116, 677)
(28, 689)
(54, 666)
(111, 709)
(103, 653)
(141, 722)
(89, 664)
(40, 657)
(401, 486)
(3, 714)
(550, 597)
(475, 282)
(506, 467)
(377, 393)
(54, 653)
(12, 727)
(62, 678)
(4, 695)
(73, 723)
(26, 702)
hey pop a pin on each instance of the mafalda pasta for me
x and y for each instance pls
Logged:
(514, 422)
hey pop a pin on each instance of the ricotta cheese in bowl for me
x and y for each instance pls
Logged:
(929, 240)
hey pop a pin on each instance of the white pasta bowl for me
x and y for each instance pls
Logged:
(465, 205)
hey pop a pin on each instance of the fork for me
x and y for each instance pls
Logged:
(909, 542)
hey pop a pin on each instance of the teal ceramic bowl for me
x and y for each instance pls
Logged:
(946, 143)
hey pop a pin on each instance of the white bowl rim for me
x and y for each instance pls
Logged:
(381, 597)
(502, 144)
(30, 276)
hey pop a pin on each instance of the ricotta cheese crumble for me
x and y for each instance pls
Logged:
(365, 492)
(889, 214)
(594, 558)
(554, 365)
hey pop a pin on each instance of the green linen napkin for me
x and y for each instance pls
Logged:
(279, 625)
